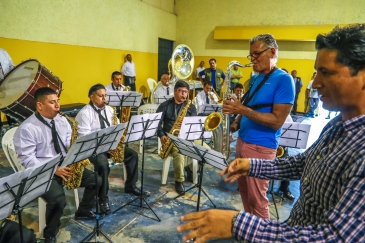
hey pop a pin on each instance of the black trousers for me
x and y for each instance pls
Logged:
(131, 166)
(295, 106)
(56, 201)
(9, 233)
(284, 186)
(129, 81)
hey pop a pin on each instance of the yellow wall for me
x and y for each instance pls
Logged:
(80, 67)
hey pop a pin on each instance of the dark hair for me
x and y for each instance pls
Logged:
(349, 43)
(180, 84)
(238, 86)
(95, 88)
(116, 73)
(212, 59)
(207, 83)
(285, 70)
(128, 55)
(41, 93)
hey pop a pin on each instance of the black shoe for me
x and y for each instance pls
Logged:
(179, 188)
(134, 190)
(189, 174)
(87, 215)
(328, 117)
(50, 240)
(104, 207)
(288, 195)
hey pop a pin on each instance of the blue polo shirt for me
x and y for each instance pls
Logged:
(278, 89)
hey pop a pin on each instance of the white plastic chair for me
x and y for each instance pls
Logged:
(151, 85)
(166, 167)
(147, 109)
(10, 153)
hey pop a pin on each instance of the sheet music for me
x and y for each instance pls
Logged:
(209, 108)
(162, 98)
(295, 135)
(137, 124)
(127, 98)
(191, 128)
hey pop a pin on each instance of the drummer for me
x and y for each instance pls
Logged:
(6, 65)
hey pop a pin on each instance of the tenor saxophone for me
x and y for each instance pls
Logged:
(166, 148)
(76, 169)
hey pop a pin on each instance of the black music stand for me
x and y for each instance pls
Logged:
(20, 188)
(124, 98)
(91, 145)
(142, 127)
(162, 98)
(209, 108)
(203, 155)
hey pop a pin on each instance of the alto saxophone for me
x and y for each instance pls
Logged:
(175, 129)
(74, 180)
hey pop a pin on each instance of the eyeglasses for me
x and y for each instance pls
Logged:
(102, 96)
(257, 54)
(184, 91)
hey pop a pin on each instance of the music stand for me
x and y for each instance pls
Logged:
(162, 98)
(142, 127)
(203, 155)
(20, 188)
(124, 98)
(209, 108)
(91, 145)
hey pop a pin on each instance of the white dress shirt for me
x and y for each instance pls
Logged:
(198, 70)
(88, 119)
(110, 87)
(6, 63)
(162, 90)
(201, 99)
(33, 139)
(129, 69)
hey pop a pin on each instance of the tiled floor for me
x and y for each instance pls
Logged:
(128, 224)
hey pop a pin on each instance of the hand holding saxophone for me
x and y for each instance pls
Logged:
(163, 139)
(232, 107)
(237, 168)
(63, 172)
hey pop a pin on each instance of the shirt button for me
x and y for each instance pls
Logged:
(305, 179)
(318, 157)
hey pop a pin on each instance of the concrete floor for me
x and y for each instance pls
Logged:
(138, 224)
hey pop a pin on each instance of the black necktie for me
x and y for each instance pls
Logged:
(168, 91)
(207, 99)
(101, 119)
(55, 138)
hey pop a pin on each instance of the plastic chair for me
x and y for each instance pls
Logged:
(10, 153)
(166, 167)
(151, 84)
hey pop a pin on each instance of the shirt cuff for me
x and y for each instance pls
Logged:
(255, 167)
(246, 227)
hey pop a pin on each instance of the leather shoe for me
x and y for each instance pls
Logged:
(105, 207)
(50, 240)
(134, 190)
(288, 195)
(189, 174)
(179, 187)
(87, 215)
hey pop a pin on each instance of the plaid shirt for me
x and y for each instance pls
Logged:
(331, 207)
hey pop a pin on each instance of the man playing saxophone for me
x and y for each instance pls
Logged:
(171, 119)
(34, 142)
(95, 116)
(206, 96)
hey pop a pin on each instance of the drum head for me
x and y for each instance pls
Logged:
(17, 82)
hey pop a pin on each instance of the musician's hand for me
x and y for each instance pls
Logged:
(237, 168)
(233, 127)
(206, 225)
(163, 139)
(232, 107)
(63, 173)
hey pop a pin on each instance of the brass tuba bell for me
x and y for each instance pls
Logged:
(212, 121)
(181, 63)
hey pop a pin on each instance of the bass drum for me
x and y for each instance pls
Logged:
(19, 85)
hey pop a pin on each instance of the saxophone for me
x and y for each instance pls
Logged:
(166, 148)
(74, 180)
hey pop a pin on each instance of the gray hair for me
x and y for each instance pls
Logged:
(269, 42)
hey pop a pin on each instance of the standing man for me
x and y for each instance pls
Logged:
(34, 142)
(170, 112)
(6, 65)
(298, 85)
(332, 171)
(206, 96)
(214, 75)
(199, 69)
(312, 96)
(165, 89)
(261, 117)
(129, 72)
(116, 84)
(96, 116)
(235, 76)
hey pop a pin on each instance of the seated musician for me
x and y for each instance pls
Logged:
(95, 116)
(173, 109)
(34, 143)
(207, 96)
(237, 93)
(116, 84)
(164, 89)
